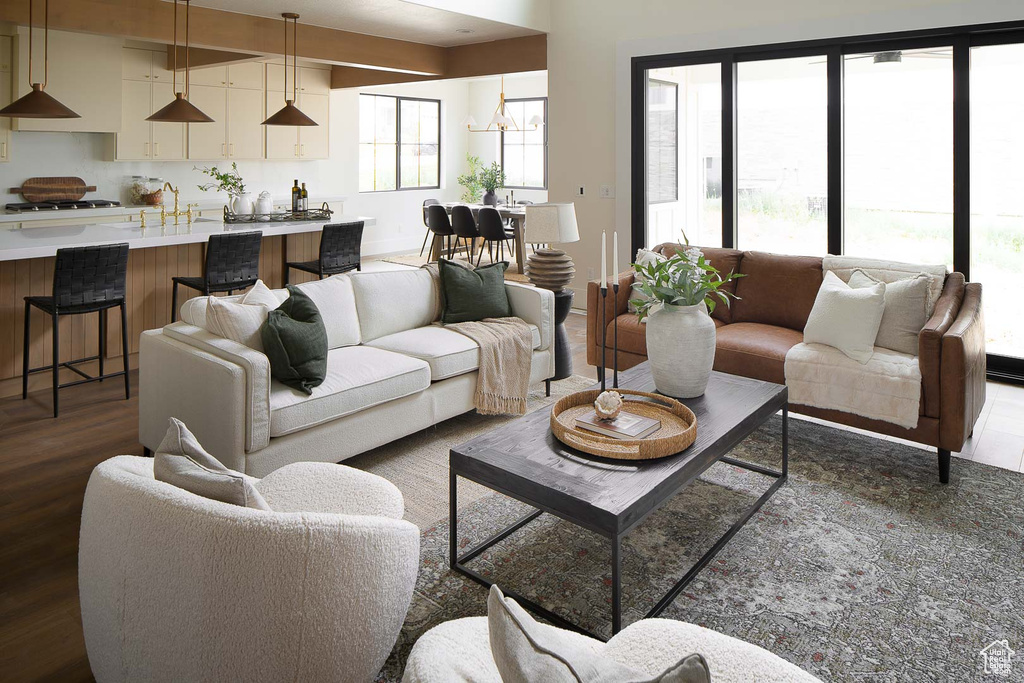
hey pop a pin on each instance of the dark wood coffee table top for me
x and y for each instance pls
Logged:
(525, 461)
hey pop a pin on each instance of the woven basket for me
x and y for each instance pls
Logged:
(678, 426)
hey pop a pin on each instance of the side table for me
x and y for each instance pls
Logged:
(563, 354)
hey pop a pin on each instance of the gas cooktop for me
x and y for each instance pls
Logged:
(25, 207)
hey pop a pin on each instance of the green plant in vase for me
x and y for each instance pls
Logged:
(231, 182)
(471, 180)
(491, 178)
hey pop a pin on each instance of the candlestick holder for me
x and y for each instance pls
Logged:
(615, 338)
(604, 332)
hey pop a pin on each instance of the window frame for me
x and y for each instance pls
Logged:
(501, 142)
(398, 143)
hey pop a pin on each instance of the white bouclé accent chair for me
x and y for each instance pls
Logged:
(176, 587)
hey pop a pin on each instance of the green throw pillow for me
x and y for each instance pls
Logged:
(473, 294)
(295, 340)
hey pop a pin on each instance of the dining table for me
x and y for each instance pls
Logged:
(515, 214)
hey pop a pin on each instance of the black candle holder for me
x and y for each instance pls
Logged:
(604, 337)
(604, 331)
(615, 339)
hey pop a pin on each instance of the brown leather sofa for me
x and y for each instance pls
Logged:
(759, 328)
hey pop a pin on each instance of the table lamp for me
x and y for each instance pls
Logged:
(549, 224)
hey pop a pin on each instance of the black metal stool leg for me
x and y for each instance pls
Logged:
(124, 349)
(174, 301)
(101, 342)
(24, 359)
(56, 362)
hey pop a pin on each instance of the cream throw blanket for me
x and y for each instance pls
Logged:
(506, 353)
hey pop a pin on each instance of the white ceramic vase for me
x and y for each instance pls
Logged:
(241, 204)
(681, 349)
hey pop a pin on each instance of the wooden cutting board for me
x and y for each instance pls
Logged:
(53, 189)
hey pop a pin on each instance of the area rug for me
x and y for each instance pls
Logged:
(862, 567)
(512, 273)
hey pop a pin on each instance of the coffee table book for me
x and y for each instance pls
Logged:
(626, 426)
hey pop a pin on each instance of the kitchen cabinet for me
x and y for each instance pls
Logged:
(245, 123)
(212, 75)
(5, 97)
(236, 131)
(208, 140)
(316, 81)
(168, 138)
(85, 74)
(300, 142)
(140, 139)
(248, 75)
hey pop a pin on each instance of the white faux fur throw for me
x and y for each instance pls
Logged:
(887, 388)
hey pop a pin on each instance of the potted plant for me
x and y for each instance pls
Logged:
(491, 178)
(240, 201)
(678, 294)
(471, 180)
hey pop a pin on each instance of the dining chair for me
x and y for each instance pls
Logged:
(232, 262)
(340, 251)
(493, 231)
(464, 226)
(441, 227)
(426, 203)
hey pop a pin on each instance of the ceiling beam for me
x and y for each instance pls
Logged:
(199, 57)
(513, 55)
(152, 20)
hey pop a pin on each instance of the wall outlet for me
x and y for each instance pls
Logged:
(581, 190)
(606, 192)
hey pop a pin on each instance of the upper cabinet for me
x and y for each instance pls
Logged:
(300, 142)
(233, 97)
(248, 75)
(146, 88)
(146, 65)
(85, 74)
(5, 97)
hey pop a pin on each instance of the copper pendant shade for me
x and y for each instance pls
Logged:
(180, 110)
(37, 104)
(289, 114)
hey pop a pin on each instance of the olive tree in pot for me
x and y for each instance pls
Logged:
(491, 178)
(676, 296)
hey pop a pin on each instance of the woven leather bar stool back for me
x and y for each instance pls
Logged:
(340, 251)
(232, 262)
(85, 280)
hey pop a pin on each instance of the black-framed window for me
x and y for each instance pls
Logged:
(524, 153)
(662, 141)
(399, 143)
(920, 128)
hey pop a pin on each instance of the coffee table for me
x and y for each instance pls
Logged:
(610, 497)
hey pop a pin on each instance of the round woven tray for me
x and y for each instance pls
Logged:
(678, 426)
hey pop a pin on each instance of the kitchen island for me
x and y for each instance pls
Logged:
(157, 253)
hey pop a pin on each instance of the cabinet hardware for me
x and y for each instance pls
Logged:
(156, 149)
(231, 149)
(296, 150)
(3, 150)
(223, 149)
(302, 150)
(145, 149)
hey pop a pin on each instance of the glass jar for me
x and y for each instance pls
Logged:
(154, 194)
(136, 188)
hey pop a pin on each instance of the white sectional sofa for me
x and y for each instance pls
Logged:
(390, 372)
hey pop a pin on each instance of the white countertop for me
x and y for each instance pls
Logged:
(336, 203)
(29, 242)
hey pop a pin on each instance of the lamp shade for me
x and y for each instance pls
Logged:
(536, 120)
(180, 110)
(289, 115)
(469, 121)
(551, 223)
(38, 104)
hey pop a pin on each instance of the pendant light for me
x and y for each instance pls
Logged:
(289, 114)
(502, 120)
(37, 104)
(180, 110)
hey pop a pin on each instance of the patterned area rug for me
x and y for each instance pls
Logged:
(862, 567)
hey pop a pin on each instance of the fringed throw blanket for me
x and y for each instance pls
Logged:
(506, 353)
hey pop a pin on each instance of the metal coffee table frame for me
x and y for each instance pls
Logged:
(458, 562)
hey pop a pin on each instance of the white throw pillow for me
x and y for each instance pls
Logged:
(526, 651)
(846, 318)
(906, 310)
(337, 304)
(241, 320)
(182, 462)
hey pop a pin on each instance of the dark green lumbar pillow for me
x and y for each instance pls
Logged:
(473, 294)
(295, 340)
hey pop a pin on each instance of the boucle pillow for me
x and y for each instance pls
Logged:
(906, 310)
(240, 321)
(182, 462)
(846, 318)
(526, 651)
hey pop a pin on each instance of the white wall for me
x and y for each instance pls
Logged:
(589, 51)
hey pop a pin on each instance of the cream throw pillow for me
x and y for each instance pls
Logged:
(846, 318)
(526, 651)
(241, 320)
(906, 310)
(182, 462)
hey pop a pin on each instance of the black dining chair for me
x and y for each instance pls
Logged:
(85, 280)
(441, 227)
(493, 231)
(340, 245)
(232, 262)
(464, 226)
(426, 203)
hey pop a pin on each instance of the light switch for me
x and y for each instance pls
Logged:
(606, 192)
(581, 190)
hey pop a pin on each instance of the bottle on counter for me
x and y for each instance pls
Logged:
(304, 199)
(295, 196)
(513, 199)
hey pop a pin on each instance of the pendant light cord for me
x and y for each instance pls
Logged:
(186, 45)
(286, 59)
(46, 42)
(174, 73)
(295, 59)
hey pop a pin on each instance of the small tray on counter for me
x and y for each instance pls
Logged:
(321, 214)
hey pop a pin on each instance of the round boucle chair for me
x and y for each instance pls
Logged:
(460, 650)
(176, 587)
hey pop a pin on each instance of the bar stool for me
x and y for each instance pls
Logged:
(85, 280)
(464, 227)
(492, 229)
(426, 203)
(437, 221)
(232, 262)
(339, 251)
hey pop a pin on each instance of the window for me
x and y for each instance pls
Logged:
(662, 141)
(524, 153)
(399, 143)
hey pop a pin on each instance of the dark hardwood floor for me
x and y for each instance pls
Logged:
(44, 467)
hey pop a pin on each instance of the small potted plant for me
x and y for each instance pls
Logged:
(491, 178)
(678, 295)
(240, 201)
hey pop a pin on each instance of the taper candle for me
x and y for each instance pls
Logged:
(604, 260)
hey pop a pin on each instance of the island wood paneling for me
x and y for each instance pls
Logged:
(148, 291)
